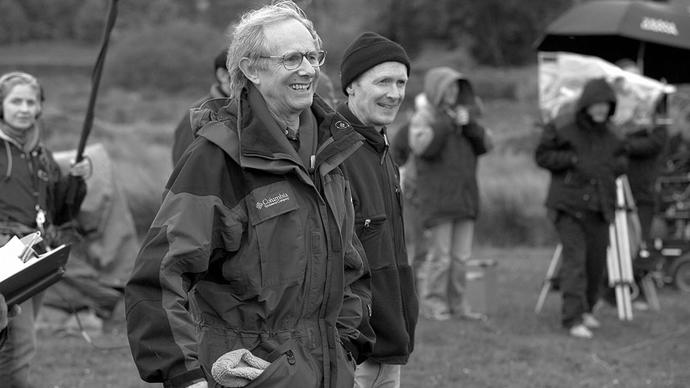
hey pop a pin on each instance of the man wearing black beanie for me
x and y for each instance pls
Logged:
(373, 73)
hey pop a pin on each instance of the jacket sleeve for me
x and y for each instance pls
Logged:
(427, 138)
(66, 193)
(3, 320)
(69, 194)
(354, 328)
(192, 222)
(479, 137)
(646, 143)
(553, 153)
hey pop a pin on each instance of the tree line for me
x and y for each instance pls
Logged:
(493, 32)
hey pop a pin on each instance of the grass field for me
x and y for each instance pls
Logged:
(514, 348)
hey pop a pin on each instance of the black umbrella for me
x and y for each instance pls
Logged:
(655, 35)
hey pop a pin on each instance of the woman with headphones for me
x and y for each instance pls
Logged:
(32, 197)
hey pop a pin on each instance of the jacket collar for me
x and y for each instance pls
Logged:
(30, 138)
(233, 125)
(371, 135)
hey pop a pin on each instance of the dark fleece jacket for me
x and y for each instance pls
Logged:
(377, 200)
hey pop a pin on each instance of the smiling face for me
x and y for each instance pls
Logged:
(599, 112)
(287, 92)
(375, 97)
(21, 106)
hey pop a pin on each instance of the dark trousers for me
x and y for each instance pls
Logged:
(583, 260)
(645, 212)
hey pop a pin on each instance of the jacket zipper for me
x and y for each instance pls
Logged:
(290, 357)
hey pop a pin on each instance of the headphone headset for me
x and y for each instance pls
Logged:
(28, 79)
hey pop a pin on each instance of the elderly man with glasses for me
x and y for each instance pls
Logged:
(251, 272)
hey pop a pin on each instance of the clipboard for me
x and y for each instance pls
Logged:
(36, 277)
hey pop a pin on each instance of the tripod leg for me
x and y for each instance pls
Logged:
(649, 289)
(548, 281)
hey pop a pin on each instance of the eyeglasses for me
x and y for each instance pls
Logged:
(293, 59)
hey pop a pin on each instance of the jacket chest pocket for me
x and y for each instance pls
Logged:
(279, 233)
(369, 228)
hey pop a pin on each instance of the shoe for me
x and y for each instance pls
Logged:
(590, 322)
(472, 316)
(581, 331)
(640, 305)
(438, 316)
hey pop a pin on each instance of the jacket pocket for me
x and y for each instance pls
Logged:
(214, 341)
(369, 227)
(574, 178)
(290, 367)
(279, 233)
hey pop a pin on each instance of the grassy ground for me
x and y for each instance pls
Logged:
(515, 348)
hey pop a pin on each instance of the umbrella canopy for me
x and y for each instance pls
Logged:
(655, 35)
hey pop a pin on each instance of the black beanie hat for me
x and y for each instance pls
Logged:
(367, 51)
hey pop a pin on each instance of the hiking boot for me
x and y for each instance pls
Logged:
(590, 322)
(580, 331)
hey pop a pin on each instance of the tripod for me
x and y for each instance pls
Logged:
(548, 284)
(618, 259)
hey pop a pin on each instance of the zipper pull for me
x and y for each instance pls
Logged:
(385, 149)
(367, 222)
(40, 217)
(290, 357)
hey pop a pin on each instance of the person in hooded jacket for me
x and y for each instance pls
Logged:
(33, 197)
(447, 140)
(645, 141)
(374, 73)
(584, 157)
(252, 257)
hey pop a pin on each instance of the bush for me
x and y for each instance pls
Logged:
(13, 22)
(518, 83)
(50, 20)
(174, 57)
(512, 201)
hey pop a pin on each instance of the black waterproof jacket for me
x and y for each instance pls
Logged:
(584, 158)
(251, 249)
